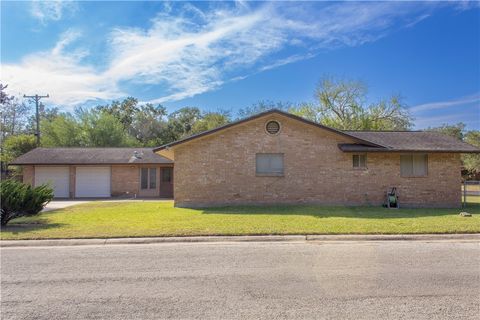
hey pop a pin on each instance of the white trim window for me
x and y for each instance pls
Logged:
(414, 165)
(359, 161)
(269, 164)
(148, 178)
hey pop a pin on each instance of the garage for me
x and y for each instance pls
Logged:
(55, 176)
(92, 182)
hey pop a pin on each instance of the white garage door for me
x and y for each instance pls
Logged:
(92, 182)
(57, 177)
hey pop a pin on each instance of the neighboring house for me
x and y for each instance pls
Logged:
(272, 157)
(99, 172)
(276, 157)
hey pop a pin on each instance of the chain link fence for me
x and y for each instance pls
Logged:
(471, 192)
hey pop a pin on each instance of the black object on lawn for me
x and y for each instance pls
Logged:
(392, 198)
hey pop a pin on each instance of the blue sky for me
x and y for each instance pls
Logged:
(229, 55)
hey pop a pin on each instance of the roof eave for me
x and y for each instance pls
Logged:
(86, 164)
(390, 150)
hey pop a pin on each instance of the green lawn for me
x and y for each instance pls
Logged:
(138, 219)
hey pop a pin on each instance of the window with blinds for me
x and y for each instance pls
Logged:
(269, 164)
(359, 161)
(413, 165)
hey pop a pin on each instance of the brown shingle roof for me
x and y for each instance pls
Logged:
(90, 156)
(417, 141)
(371, 141)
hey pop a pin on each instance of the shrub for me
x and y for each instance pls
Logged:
(19, 199)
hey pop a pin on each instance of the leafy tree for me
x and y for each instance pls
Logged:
(124, 111)
(471, 162)
(342, 104)
(101, 129)
(307, 111)
(61, 131)
(13, 114)
(455, 130)
(15, 146)
(149, 125)
(388, 114)
(46, 114)
(20, 199)
(180, 122)
(210, 120)
(262, 106)
(4, 97)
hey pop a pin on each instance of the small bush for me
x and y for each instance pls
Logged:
(19, 199)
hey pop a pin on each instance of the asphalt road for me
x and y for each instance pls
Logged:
(350, 280)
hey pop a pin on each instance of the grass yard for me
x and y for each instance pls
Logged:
(139, 219)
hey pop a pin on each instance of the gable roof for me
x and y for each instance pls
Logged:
(368, 141)
(90, 156)
(414, 141)
(259, 115)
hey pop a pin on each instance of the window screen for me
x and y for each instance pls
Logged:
(153, 178)
(359, 161)
(413, 165)
(144, 178)
(269, 163)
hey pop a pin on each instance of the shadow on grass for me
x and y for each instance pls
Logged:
(339, 211)
(19, 228)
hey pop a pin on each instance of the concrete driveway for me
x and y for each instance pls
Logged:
(60, 204)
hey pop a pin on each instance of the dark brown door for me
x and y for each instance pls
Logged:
(166, 182)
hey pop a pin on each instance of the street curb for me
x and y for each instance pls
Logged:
(394, 237)
(211, 239)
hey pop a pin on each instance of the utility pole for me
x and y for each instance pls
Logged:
(37, 99)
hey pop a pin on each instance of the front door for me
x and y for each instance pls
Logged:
(148, 182)
(166, 182)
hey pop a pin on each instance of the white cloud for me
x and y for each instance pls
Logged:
(51, 10)
(465, 109)
(287, 60)
(189, 51)
(474, 98)
(469, 117)
(60, 74)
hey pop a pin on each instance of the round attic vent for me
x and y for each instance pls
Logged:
(272, 127)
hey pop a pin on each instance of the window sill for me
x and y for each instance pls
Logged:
(269, 174)
(414, 177)
(360, 168)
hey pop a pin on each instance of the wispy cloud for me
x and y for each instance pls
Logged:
(188, 51)
(474, 98)
(465, 109)
(472, 117)
(61, 74)
(45, 11)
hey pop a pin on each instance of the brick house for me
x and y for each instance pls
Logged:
(99, 172)
(272, 157)
(276, 157)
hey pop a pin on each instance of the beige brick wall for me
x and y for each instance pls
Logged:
(220, 169)
(28, 173)
(125, 178)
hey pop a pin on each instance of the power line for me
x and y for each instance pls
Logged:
(37, 99)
